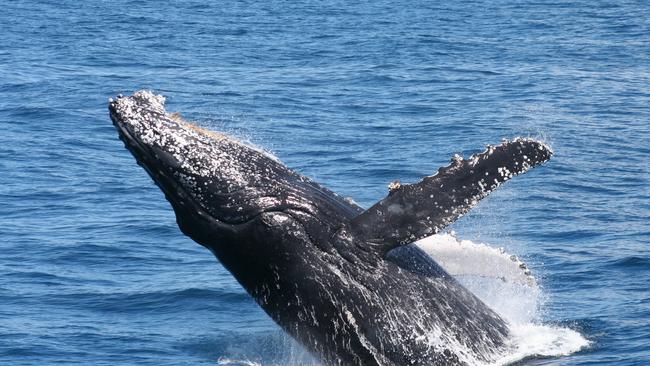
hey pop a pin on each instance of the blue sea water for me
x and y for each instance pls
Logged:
(93, 269)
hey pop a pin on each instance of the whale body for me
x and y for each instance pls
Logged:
(345, 282)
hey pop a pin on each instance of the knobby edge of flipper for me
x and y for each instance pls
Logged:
(413, 211)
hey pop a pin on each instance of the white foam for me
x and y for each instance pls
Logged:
(538, 340)
(229, 361)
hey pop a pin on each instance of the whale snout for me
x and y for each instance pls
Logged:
(198, 170)
(141, 119)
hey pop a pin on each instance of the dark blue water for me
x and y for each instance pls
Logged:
(93, 269)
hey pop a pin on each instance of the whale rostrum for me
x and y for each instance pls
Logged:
(345, 282)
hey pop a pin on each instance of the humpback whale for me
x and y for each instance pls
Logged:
(345, 282)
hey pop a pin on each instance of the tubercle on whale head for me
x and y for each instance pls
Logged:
(206, 175)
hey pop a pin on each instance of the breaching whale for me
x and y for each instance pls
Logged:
(345, 282)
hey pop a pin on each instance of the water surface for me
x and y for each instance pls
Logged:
(93, 269)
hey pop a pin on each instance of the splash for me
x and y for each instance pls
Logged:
(233, 362)
(506, 285)
(276, 348)
(538, 340)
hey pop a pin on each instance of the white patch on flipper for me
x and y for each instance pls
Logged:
(494, 276)
(465, 258)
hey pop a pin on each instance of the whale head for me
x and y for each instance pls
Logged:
(202, 173)
(210, 177)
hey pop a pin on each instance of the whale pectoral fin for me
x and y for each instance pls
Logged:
(414, 211)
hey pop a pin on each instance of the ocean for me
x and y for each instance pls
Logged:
(94, 271)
